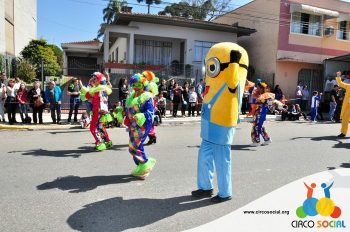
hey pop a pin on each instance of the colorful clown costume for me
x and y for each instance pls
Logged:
(153, 89)
(226, 71)
(98, 94)
(258, 127)
(139, 112)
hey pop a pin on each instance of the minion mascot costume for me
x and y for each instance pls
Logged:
(98, 93)
(226, 72)
(345, 109)
(139, 111)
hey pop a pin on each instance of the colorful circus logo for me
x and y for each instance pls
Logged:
(323, 206)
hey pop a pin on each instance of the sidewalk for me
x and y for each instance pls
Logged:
(168, 121)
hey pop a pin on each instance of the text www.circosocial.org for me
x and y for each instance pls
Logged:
(273, 212)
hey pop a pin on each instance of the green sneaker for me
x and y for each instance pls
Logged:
(109, 144)
(148, 166)
(136, 171)
(101, 147)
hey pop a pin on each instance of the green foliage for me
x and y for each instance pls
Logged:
(110, 13)
(58, 53)
(2, 63)
(36, 52)
(25, 71)
(197, 9)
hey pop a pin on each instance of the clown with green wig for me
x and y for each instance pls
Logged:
(139, 111)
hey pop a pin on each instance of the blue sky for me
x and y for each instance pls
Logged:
(61, 21)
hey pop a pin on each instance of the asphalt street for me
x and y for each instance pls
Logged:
(53, 180)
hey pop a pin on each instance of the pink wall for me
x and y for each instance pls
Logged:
(287, 75)
(329, 46)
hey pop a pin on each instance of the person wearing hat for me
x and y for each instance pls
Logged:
(139, 112)
(260, 116)
(74, 103)
(98, 93)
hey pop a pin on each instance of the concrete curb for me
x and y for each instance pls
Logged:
(166, 122)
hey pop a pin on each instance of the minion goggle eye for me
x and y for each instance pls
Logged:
(212, 67)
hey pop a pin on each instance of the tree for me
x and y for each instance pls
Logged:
(38, 51)
(25, 71)
(110, 13)
(149, 3)
(197, 9)
(58, 53)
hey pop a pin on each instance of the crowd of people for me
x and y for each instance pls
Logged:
(16, 97)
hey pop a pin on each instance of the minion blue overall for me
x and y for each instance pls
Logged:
(226, 71)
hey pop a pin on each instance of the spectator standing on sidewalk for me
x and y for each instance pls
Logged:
(162, 88)
(177, 98)
(200, 90)
(74, 101)
(36, 99)
(278, 93)
(305, 97)
(2, 95)
(333, 102)
(298, 93)
(192, 99)
(161, 104)
(171, 94)
(53, 96)
(22, 98)
(11, 102)
(123, 90)
(185, 96)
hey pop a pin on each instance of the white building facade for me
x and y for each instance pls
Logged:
(18, 25)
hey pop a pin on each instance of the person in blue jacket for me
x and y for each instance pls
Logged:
(53, 96)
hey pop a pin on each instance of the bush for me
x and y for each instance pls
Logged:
(25, 71)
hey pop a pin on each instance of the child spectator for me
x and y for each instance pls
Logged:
(85, 120)
(22, 98)
(315, 101)
(192, 99)
(299, 112)
(161, 104)
(284, 112)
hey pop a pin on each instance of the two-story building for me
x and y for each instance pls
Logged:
(293, 39)
(18, 26)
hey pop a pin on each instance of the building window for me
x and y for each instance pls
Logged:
(308, 24)
(201, 49)
(117, 55)
(343, 32)
(153, 52)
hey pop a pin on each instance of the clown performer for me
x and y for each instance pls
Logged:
(260, 116)
(153, 89)
(139, 111)
(226, 71)
(98, 94)
(345, 109)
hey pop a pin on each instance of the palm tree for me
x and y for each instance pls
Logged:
(150, 2)
(111, 11)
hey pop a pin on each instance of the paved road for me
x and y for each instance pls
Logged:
(54, 181)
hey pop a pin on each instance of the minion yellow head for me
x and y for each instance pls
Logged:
(226, 67)
(225, 63)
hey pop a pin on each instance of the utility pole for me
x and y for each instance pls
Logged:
(42, 72)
